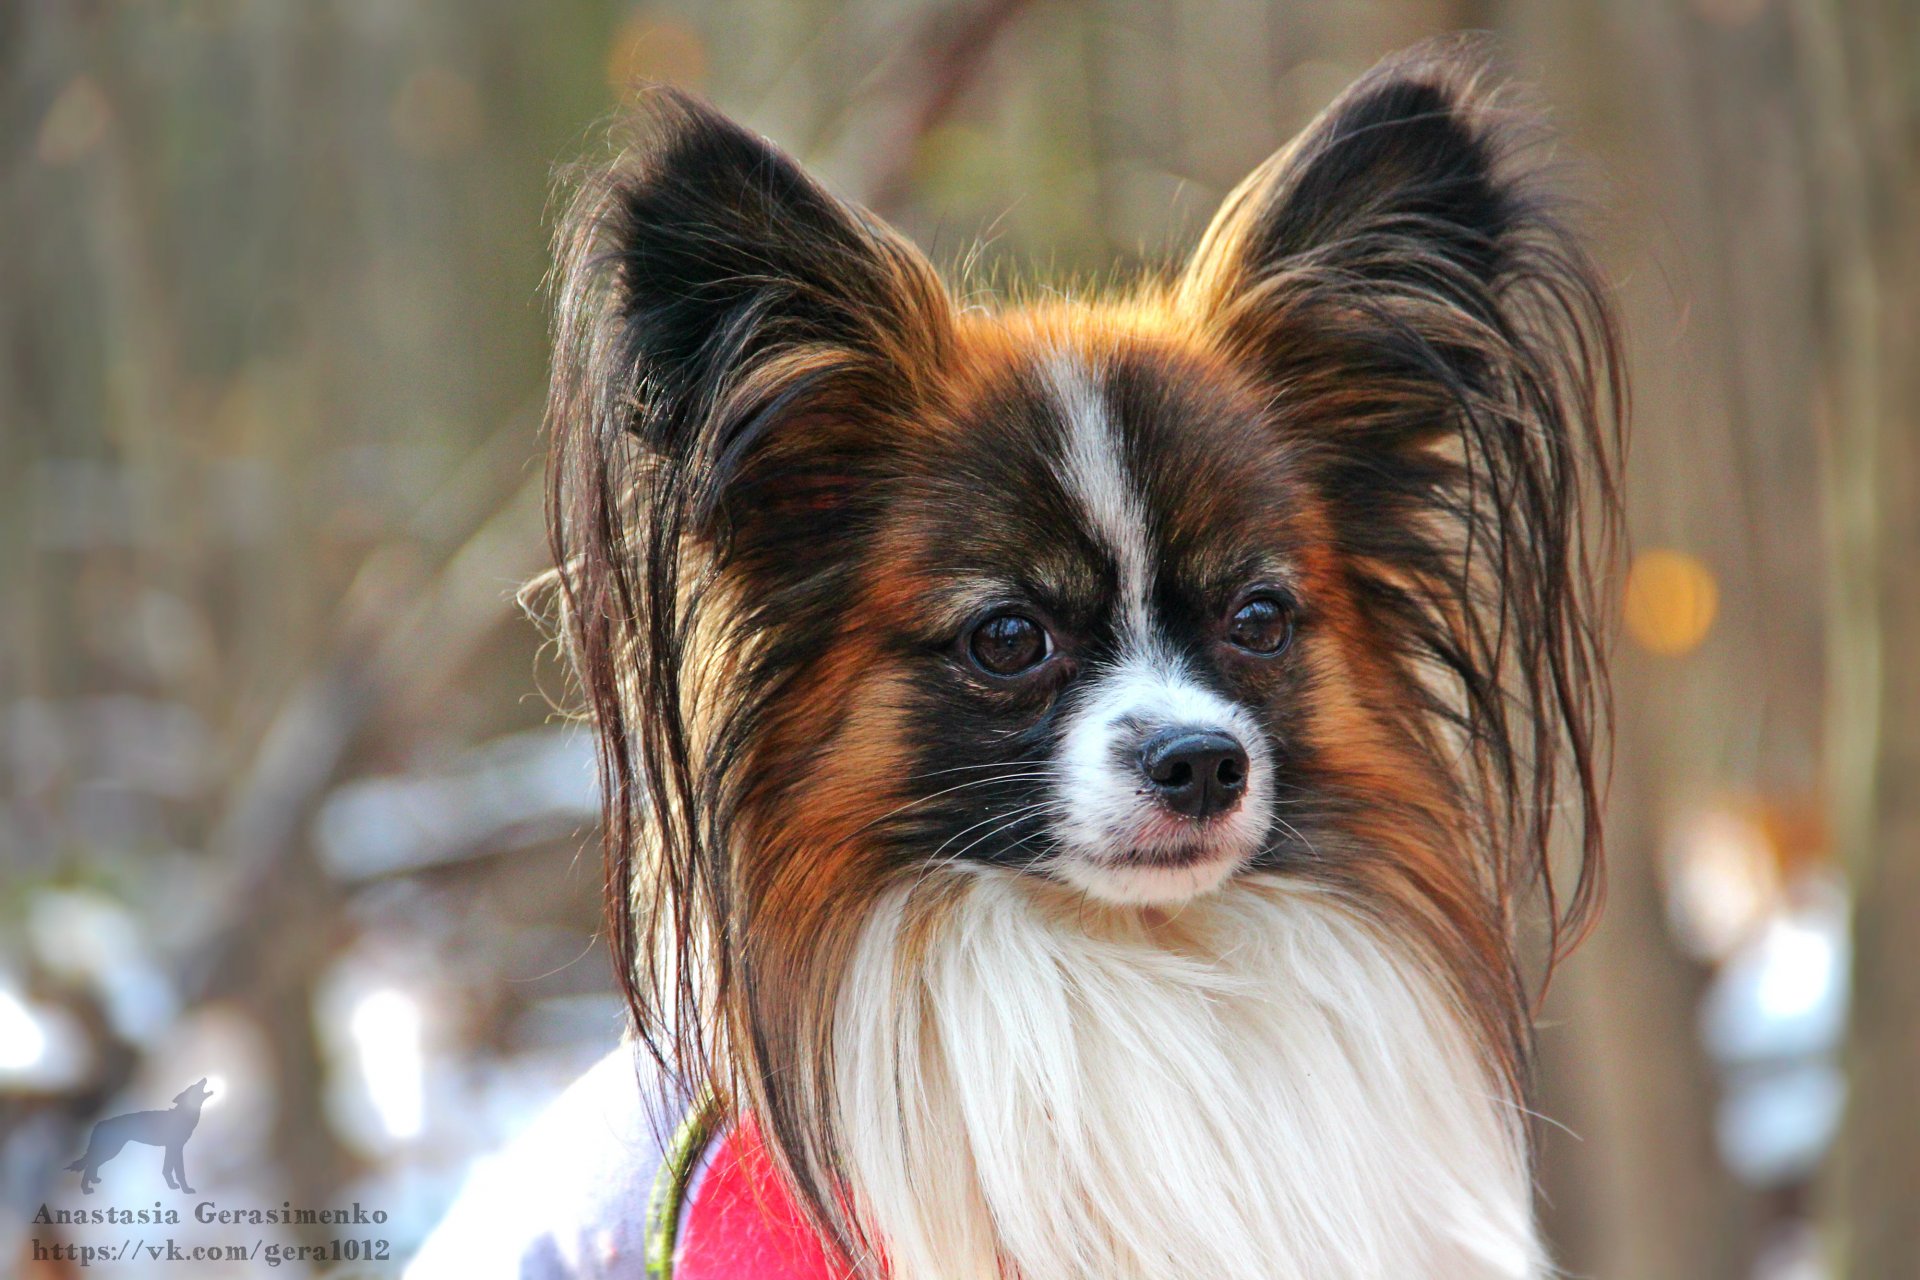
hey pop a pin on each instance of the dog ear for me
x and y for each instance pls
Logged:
(1445, 353)
(742, 325)
(1402, 182)
(737, 353)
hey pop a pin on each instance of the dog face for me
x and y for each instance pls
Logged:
(193, 1094)
(1090, 580)
(1280, 560)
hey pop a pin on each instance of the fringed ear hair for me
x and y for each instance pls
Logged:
(1447, 358)
(711, 294)
(731, 345)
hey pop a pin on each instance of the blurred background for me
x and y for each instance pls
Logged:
(284, 798)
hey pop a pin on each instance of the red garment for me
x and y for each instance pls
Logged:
(742, 1224)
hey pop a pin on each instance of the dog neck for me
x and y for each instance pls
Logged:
(1262, 1084)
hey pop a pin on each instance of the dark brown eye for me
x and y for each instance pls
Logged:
(1262, 625)
(1008, 643)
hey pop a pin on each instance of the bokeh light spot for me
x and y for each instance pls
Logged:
(1671, 602)
(22, 1042)
(386, 1030)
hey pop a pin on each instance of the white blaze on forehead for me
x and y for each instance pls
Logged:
(1095, 473)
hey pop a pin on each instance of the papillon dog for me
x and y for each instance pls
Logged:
(1080, 772)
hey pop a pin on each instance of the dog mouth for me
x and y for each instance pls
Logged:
(1169, 859)
(1159, 870)
(1167, 841)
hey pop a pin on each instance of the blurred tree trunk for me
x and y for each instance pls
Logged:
(1637, 1188)
(1858, 63)
(1642, 1191)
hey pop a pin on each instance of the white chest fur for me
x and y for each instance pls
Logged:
(1262, 1088)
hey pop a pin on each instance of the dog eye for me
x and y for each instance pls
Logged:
(1009, 643)
(1262, 625)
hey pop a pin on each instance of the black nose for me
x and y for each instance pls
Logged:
(1195, 772)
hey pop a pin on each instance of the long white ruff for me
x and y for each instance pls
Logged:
(1263, 1087)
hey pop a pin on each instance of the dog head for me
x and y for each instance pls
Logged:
(1280, 561)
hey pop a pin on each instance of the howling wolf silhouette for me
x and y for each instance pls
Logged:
(169, 1129)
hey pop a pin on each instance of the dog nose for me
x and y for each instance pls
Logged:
(1198, 773)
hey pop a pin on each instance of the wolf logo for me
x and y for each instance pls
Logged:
(169, 1129)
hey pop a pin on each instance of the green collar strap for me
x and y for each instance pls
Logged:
(670, 1185)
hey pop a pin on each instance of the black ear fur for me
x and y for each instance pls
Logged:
(710, 292)
(1402, 180)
